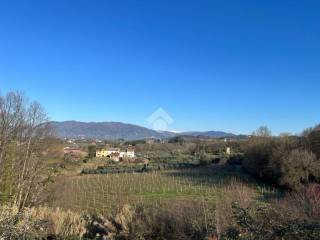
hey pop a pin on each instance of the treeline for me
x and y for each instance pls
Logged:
(287, 161)
(138, 168)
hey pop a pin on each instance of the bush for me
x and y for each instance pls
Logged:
(180, 221)
(257, 156)
(205, 159)
(281, 161)
(238, 192)
(60, 223)
(303, 204)
(297, 168)
(92, 151)
(235, 159)
(263, 222)
(15, 224)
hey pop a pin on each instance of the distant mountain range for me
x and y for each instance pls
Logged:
(118, 130)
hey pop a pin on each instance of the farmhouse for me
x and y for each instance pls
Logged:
(107, 152)
(115, 153)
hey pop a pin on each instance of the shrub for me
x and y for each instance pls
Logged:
(262, 222)
(91, 151)
(236, 191)
(41, 223)
(60, 223)
(281, 161)
(297, 168)
(180, 221)
(15, 224)
(235, 159)
(257, 156)
(303, 204)
(205, 159)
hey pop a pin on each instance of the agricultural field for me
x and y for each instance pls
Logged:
(108, 193)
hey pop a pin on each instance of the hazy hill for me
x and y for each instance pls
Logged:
(102, 130)
(212, 134)
(117, 130)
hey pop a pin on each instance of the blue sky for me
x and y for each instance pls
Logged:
(212, 65)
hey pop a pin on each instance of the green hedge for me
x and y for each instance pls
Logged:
(138, 168)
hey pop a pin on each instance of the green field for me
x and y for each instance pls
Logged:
(106, 194)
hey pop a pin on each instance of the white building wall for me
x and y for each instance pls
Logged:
(130, 154)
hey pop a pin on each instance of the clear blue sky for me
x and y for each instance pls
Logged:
(212, 65)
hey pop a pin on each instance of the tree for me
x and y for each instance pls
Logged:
(24, 130)
(262, 131)
(178, 139)
(91, 151)
(308, 131)
(297, 168)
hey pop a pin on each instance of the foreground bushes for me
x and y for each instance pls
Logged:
(298, 167)
(303, 204)
(263, 222)
(284, 161)
(40, 223)
(296, 216)
(18, 225)
(129, 223)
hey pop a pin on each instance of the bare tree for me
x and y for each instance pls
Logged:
(307, 131)
(23, 130)
(262, 131)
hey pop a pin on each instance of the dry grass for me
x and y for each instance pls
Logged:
(15, 225)
(41, 221)
(304, 204)
(59, 222)
(237, 191)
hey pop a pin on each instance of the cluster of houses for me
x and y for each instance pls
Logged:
(116, 154)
